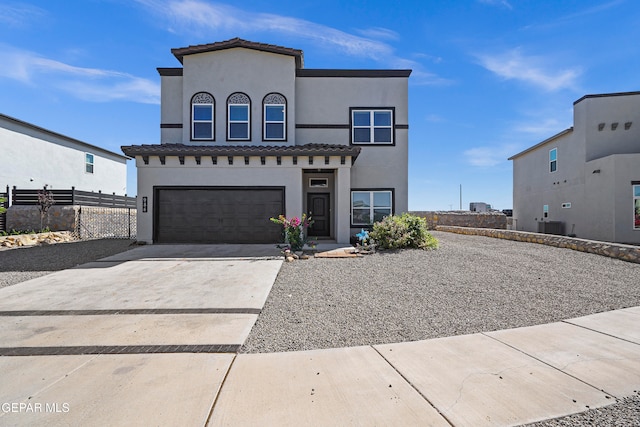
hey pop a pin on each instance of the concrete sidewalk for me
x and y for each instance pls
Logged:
(149, 337)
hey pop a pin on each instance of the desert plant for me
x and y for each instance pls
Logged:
(45, 201)
(2, 208)
(295, 230)
(402, 231)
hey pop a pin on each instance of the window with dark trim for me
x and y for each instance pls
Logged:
(372, 125)
(369, 206)
(238, 117)
(88, 163)
(274, 117)
(202, 117)
(553, 160)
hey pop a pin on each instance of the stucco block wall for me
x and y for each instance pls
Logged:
(251, 72)
(39, 159)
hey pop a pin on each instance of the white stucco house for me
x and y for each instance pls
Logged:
(585, 180)
(35, 157)
(248, 133)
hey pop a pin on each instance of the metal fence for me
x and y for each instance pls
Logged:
(72, 197)
(4, 204)
(105, 223)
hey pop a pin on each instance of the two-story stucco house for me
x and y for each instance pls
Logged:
(584, 181)
(34, 157)
(248, 133)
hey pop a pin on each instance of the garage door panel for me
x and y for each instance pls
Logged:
(218, 215)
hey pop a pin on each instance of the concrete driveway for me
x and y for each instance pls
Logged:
(146, 336)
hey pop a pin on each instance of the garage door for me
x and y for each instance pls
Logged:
(218, 214)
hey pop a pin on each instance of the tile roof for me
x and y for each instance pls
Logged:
(180, 52)
(241, 150)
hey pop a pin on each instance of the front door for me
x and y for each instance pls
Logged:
(318, 209)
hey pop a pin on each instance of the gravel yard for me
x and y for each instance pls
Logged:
(29, 262)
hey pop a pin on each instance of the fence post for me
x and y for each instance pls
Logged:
(129, 221)
(13, 193)
(8, 197)
(73, 195)
(99, 197)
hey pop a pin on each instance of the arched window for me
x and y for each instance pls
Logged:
(275, 117)
(202, 116)
(238, 117)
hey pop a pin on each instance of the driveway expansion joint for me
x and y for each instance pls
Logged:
(130, 349)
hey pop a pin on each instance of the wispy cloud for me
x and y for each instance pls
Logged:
(91, 84)
(226, 21)
(19, 14)
(489, 156)
(501, 3)
(513, 65)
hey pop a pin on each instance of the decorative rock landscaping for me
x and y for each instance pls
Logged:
(49, 238)
(613, 250)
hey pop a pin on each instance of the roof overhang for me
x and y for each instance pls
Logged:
(546, 141)
(242, 150)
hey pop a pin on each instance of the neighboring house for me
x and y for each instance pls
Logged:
(247, 133)
(34, 157)
(584, 181)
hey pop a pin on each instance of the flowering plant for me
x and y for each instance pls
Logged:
(295, 236)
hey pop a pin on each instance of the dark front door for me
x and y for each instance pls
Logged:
(318, 208)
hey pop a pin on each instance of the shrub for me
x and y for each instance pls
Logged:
(402, 231)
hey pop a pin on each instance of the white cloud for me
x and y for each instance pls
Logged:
(489, 156)
(501, 3)
(513, 65)
(92, 84)
(204, 17)
(18, 15)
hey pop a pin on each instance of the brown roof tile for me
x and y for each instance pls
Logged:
(241, 150)
(179, 53)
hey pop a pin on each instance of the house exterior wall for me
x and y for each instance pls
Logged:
(225, 72)
(40, 157)
(318, 104)
(595, 167)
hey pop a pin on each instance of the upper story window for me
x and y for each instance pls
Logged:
(238, 117)
(88, 163)
(202, 114)
(553, 160)
(636, 207)
(368, 207)
(275, 117)
(372, 126)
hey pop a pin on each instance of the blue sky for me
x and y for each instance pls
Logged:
(490, 77)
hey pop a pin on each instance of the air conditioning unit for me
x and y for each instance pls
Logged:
(551, 227)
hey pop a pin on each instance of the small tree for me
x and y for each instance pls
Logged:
(2, 208)
(45, 201)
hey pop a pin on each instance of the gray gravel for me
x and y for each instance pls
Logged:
(25, 263)
(470, 284)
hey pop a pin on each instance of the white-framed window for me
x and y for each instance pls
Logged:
(88, 163)
(369, 206)
(545, 211)
(636, 206)
(275, 117)
(202, 117)
(371, 126)
(318, 182)
(238, 117)
(553, 160)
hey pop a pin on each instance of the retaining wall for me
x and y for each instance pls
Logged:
(496, 220)
(613, 250)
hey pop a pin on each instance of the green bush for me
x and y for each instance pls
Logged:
(402, 231)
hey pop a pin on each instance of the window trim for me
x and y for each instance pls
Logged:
(553, 164)
(372, 110)
(372, 207)
(89, 163)
(264, 118)
(248, 121)
(635, 204)
(213, 117)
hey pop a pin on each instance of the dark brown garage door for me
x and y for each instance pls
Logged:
(217, 214)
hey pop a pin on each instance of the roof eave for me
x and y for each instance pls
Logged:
(540, 144)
